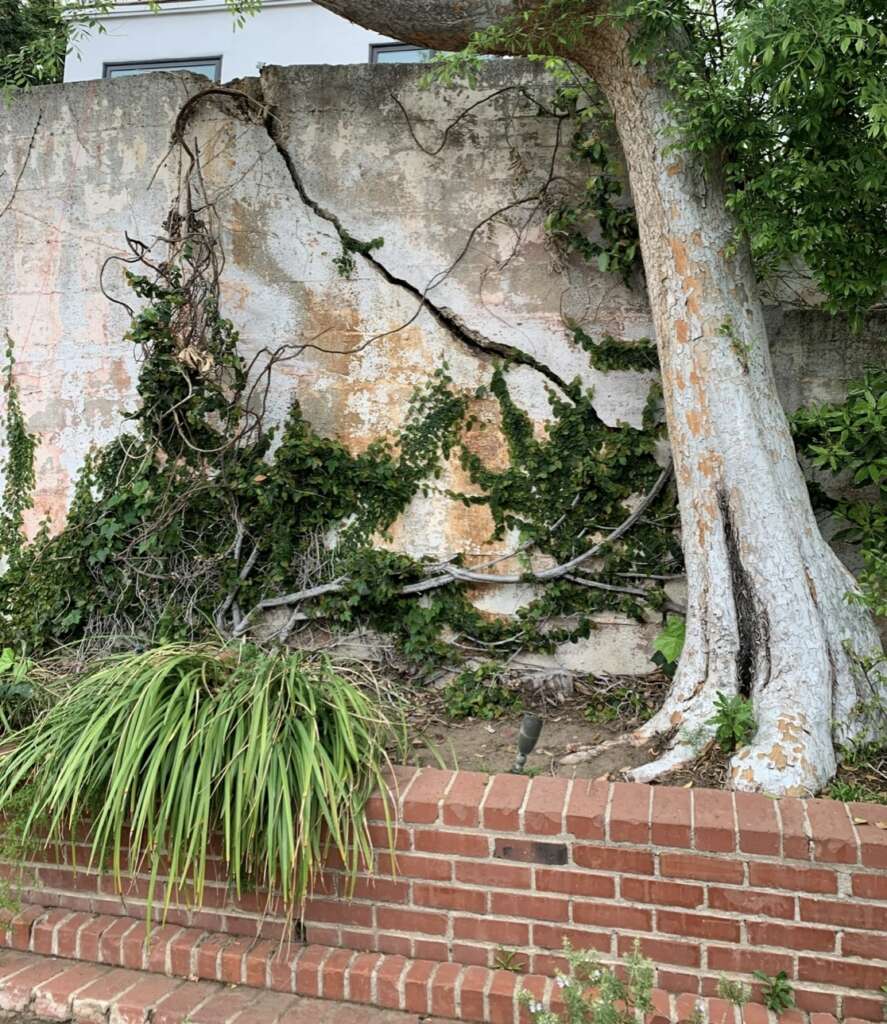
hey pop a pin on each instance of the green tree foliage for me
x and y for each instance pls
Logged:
(33, 42)
(789, 96)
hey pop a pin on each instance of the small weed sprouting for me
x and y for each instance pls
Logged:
(734, 721)
(735, 992)
(776, 991)
(480, 693)
(668, 644)
(510, 960)
(593, 992)
(624, 702)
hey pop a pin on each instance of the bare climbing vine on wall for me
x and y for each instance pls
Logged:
(202, 517)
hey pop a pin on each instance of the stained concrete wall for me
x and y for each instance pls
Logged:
(83, 164)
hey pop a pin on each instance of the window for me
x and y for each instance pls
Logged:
(399, 53)
(209, 67)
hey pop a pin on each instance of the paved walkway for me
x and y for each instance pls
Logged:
(39, 988)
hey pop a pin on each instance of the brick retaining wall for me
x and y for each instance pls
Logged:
(708, 882)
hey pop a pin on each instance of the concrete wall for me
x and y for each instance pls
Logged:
(79, 165)
(283, 32)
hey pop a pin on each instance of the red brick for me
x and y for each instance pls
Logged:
(398, 945)
(873, 846)
(255, 963)
(360, 977)
(421, 803)
(161, 1000)
(471, 993)
(701, 926)
(575, 883)
(872, 887)
(158, 946)
(629, 819)
(759, 829)
(459, 844)
(670, 894)
(271, 1008)
(768, 933)
(864, 944)
(671, 817)
(677, 981)
(110, 944)
(549, 936)
(706, 869)
(845, 973)
(505, 933)
(754, 1013)
(477, 956)
(379, 890)
(448, 897)
(496, 875)
(713, 824)
(52, 998)
(394, 788)
(430, 949)
(15, 993)
(332, 976)
(613, 915)
(388, 978)
(462, 803)
(416, 985)
(796, 879)
(747, 961)
(752, 901)
(410, 866)
(661, 1012)
(606, 858)
(132, 946)
(443, 990)
(390, 919)
(307, 970)
(182, 951)
(502, 804)
(91, 1005)
(208, 954)
(280, 970)
(90, 936)
(863, 1007)
(66, 937)
(385, 837)
(663, 951)
(545, 807)
(223, 1006)
(586, 809)
(536, 986)
(338, 912)
(544, 908)
(833, 837)
(22, 925)
(500, 997)
(820, 1005)
(837, 912)
(231, 962)
(43, 933)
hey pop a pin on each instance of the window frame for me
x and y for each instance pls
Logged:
(165, 64)
(377, 48)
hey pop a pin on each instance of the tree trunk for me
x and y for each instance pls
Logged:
(768, 615)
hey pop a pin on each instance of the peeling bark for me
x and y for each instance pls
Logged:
(768, 613)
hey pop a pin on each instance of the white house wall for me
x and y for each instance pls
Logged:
(290, 32)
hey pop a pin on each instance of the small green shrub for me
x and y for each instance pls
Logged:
(479, 693)
(734, 721)
(735, 992)
(669, 643)
(162, 749)
(776, 992)
(628, 702)
(594, 993)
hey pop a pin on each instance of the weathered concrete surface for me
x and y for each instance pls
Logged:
(83, 164)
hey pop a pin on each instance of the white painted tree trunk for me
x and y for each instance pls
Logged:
(768, 614)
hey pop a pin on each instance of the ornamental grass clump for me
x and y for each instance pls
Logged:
(157, 752)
